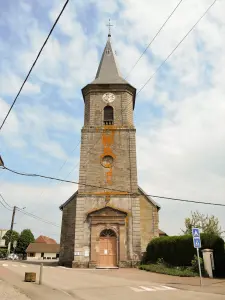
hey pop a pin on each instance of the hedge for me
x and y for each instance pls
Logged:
(179, 250)
(175, 271)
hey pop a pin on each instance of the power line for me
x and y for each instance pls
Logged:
(39, 53)
(171, 53)
(158, 32)
(167, 56)
(25, 212)
(60, 168)
(140, 58)
(5, 206)
(175, 199)
(37, 218)
(63, 164)
(5, 201)
(160, 29)
(41, 232)
(114, 190)
(127, 75)
(185, 200)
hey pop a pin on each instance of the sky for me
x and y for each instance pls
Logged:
(179, 115)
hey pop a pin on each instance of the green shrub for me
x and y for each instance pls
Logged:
(194, 264)
(179, 250)
(174, 271)
(3, 253)
(160, 261)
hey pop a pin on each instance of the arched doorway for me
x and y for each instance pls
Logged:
(108, 248)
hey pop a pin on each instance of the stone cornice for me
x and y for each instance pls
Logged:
(102, 88)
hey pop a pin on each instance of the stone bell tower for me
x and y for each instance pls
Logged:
(101, 221)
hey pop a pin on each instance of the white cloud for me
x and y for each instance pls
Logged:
(31, 196)
(31, 124)
(67, 65)
(110, 7)
(11, 126)
(180, 153)
(10, 84)
(183, 155)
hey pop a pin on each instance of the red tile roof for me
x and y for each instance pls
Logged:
(45, 239)
(43, 248)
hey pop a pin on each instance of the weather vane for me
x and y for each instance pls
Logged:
(109, 25)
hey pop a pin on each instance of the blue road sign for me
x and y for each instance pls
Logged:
(197, 242)
(195, 232)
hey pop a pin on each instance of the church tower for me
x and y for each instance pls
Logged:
(101, 224)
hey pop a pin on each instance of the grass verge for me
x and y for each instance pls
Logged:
(174, 271)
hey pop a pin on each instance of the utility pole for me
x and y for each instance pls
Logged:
(1, 162)
(11, 229)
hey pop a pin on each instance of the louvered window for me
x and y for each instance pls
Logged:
(108, 115)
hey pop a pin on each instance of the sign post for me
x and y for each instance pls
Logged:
(41, 274)
(197, 245)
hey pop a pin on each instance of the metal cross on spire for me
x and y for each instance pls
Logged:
(109, 25)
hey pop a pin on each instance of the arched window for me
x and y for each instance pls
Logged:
(108, 233)
(108, 115)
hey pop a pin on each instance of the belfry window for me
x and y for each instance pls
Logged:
(108, 115)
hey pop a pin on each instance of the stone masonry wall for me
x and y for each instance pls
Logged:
(118, 140)
(148, 222)
(89, 203)
(68, 233)
(124, 171)
(122, 106)
(116, 184)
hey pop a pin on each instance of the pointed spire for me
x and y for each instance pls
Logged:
(108, 71)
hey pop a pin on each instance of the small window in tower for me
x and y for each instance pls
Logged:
(108, 51)
(108, 115)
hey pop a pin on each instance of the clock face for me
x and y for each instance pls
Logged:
(108, 97)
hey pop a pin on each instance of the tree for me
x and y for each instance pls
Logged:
(207, 224)
(14, 237)
(26, 237)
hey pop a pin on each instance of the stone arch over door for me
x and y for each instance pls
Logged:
(108, 237)
(108, 245)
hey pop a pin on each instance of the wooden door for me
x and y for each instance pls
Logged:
(108, 251)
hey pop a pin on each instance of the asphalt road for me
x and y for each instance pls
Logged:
(110, 284)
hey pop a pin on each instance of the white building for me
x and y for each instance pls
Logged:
(41, 251)
(2, 241)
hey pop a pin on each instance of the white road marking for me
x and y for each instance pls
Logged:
(147, 289)
(92, 270)
(137, 290)
(168, 287)
(159, 288)
(65, 292)
(23, 266)
(14, 265)
(5, 265)
(151, 289)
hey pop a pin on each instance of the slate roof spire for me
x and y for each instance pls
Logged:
(108, 72)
